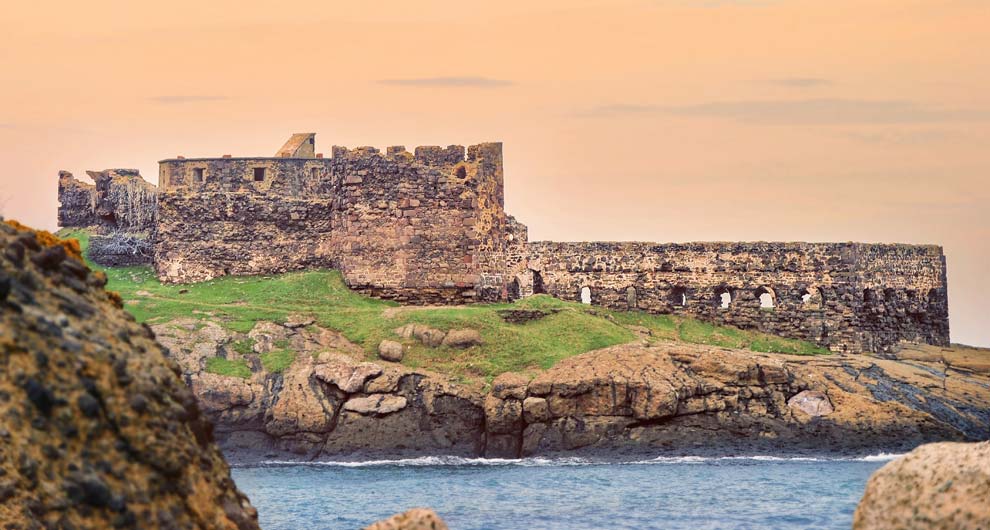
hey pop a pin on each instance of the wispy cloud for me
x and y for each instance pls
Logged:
(714, 3)
(453, 81)
(804, 112)
(799, 82)
(906, 138)
(172, 100)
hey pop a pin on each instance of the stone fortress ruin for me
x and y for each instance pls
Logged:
(429, 227)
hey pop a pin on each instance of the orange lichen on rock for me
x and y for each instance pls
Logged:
(97, 430)
(48, 239)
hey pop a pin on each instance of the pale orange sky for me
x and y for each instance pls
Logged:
(665, 120)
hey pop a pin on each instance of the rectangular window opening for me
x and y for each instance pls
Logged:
(259, 174)
(314, 173)
(198, 175)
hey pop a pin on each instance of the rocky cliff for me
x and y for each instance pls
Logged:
(695, 399)
(97, 429)
(327, 402)
(938, 487)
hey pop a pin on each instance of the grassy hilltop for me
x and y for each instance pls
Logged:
(568, 329)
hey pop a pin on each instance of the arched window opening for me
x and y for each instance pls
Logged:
(678, 297)
(586, 295)
(723, 297)
(538, 286)
(512, 290)
(812, 298)
(631, 298)
(767, 299)
(869, 297)
(461, 172)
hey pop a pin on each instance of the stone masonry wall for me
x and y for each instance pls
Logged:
(415, 227)
(845, 296)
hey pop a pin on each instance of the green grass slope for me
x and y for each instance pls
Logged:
(568, 329)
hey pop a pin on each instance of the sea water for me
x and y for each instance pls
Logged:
(758, 492)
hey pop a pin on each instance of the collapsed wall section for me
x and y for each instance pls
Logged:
(844, 296)
(120, 208)
(119, 199)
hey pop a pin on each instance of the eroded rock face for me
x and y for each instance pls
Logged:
(943, 486)
(327, 403)
(633, 399)
(675, 397)
(97, 429)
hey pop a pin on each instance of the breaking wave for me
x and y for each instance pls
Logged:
(436, 461)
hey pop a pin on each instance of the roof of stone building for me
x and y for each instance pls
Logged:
(299, 145)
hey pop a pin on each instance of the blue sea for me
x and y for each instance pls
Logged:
(670, 493)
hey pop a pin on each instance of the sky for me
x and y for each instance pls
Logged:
(656, 120)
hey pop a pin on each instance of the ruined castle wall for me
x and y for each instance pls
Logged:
(119, 200)
(845, 296)
(280, 177)
(421, 227)
(223, 216)
(121, 207)
(211, 234)
(418, 227)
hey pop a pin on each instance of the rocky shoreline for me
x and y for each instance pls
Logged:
(621, 403)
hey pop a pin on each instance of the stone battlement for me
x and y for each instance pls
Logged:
(429, 226)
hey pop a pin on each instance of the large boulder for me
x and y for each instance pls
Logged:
(389, 350)
(415, 519)
(430, 337)
(941, 486)
(462, 338)
(94, 418)
(811, 402)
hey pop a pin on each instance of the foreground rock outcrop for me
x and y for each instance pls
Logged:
(96, 428)
(943, 486)
(415, 519)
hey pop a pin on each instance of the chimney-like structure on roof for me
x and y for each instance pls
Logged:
(299, 145)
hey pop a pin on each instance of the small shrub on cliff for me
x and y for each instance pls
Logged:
(277, 361)
(221, 366)
(243, 347)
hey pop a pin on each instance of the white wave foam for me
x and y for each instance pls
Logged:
(424, 461)
(879, 457)
(427, 461)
